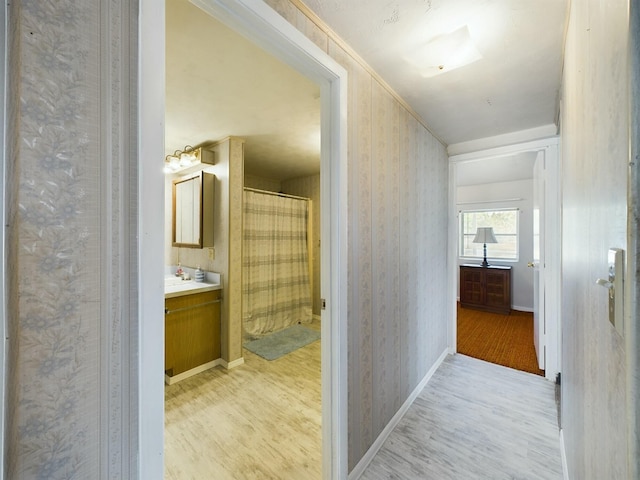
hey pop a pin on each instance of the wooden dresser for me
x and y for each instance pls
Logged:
(486, 288)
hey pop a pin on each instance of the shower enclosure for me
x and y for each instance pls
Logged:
(276, 288)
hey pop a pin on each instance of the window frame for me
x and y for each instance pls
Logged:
(461, 234)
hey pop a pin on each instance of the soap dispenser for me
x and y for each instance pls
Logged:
(199, 274)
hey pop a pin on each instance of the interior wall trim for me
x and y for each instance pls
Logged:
(632, 285)
(3, 214)
(119, 274)
(506, 149)
(148, 452)
(194, 371)
(563, 455)
(233, 364)
(364, 462)
(550, 147)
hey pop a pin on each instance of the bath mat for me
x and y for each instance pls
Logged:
(278, 344)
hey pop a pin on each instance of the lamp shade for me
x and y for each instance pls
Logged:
(484, 235)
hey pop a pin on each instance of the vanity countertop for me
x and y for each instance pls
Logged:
(188, 287)
(176, 287)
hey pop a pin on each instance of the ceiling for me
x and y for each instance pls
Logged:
(220, 84)
(513, 87)
(495, 170)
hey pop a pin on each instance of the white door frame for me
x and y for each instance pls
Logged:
(538, 259)
(258, 22)
(550, 148)
(3, 214)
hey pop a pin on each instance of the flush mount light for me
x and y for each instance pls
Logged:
(444, 53)
(188, 160)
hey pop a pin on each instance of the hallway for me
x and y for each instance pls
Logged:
(475, 420)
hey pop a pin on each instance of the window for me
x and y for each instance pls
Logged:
(505, 228)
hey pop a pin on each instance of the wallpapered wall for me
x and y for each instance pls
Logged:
(12, 238)
(397, 241)
(594, 185)
(71, 238)
(253, 181)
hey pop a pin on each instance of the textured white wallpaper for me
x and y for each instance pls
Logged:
(55, 429)
(71, 238)
(397, 245)
(594, 202)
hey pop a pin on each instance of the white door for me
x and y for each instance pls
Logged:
(538, 259)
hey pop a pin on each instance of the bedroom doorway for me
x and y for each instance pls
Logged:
(486, 186)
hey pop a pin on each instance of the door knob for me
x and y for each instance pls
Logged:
(605, 283)
(530, 265)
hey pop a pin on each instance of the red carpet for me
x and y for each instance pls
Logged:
(503, 339)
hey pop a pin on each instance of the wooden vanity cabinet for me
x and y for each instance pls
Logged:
(486, 288)
(192, 331)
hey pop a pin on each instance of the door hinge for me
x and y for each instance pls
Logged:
(323, 304)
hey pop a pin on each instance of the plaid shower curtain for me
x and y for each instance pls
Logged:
(275, 264)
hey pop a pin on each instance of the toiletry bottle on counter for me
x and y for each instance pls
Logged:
(179, 271)
(199, 274)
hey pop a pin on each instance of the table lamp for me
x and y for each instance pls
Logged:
(485, 235)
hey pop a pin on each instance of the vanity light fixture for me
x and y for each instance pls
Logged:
(188, 160)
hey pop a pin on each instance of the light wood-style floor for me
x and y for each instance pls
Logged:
(261, 420)
(475, 420)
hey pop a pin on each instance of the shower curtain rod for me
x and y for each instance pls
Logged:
(267, 192)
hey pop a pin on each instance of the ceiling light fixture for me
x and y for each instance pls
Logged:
(444, 53)
(188, 160)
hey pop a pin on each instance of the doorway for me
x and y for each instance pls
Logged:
(490, 197)
(264, 26)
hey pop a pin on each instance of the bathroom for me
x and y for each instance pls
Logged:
(220, 257)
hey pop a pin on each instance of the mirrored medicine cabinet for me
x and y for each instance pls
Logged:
(193, 204)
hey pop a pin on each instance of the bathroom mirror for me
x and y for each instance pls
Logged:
(193, 210)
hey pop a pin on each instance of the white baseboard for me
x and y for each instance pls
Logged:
(364, 462)
(201, 368)
(522, 309)
(194, 371)
(232, 364)
(563, 455)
